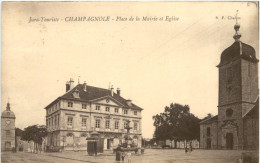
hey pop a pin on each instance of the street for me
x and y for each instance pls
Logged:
(150, 156)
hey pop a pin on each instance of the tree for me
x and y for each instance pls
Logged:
(176, 123)
(18, 133)
(34, 133)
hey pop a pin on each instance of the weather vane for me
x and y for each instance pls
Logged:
(236, 27)
(236, 17)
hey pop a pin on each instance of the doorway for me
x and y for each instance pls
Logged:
(108, 143)
(7, 145)
(229, 141)
(208, 143)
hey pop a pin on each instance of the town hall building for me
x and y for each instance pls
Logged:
(82, 110)
(237, 124)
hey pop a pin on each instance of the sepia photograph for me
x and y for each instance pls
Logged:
(129, 82)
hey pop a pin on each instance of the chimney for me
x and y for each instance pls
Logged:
(71, 83)
(85, 86)
(112, 90)
(67, 86)
(118, 91)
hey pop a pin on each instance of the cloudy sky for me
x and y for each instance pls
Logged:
(154, 63)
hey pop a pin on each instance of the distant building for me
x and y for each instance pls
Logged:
(83, 109)
(237, 124)
(7, 129)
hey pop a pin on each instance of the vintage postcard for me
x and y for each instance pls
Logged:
(130, 82)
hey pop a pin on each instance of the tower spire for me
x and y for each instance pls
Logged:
(236, 27)
(8, 105)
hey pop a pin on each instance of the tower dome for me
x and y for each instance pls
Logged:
(238, 50)
(8, 113)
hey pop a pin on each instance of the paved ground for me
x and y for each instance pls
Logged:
(150, 156)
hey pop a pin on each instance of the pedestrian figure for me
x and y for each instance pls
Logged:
(186, 149)
(190, 149)
(118, 154)
(123, 156)
(129, 156)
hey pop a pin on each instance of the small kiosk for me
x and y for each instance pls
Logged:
(95, 144)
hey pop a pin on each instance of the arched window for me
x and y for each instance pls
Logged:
(229, 75)
(208, 131)
(229, 112)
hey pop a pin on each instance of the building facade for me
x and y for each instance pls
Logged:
(235, 126)
(84, 109)
(7, 129)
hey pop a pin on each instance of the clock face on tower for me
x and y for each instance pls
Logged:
(7, 122)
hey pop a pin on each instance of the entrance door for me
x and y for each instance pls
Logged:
(208, 143)
(7, 145)
(108, 143)
(229, 141)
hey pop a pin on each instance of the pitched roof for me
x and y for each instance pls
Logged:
(254, 112)
(94, 93)
(212, 119)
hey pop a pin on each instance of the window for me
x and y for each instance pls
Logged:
(47, 123)
(97, 123)
(229, 112)
(125, 125)
(135, 112)
(116, 124)
(107, 109)
(208, 131)
(8, 133)
(55, 121)
(84, 122)
(55, 106)
(116, 110)
(70, 104)
(58, 120)
(97, 107)
(135, 126)
(229, 75)
(84, 106)
(125, 111)
(107, 124)
(70, 120)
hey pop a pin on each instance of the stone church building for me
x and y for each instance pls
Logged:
(237, 124)
(7, 129)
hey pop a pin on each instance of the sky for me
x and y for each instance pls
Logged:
(154, 63)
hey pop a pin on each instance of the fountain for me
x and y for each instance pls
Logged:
(128, 145)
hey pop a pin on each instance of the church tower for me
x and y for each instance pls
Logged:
(238, 91)
(7, 129)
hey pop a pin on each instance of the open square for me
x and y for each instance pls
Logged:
(150, 156)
